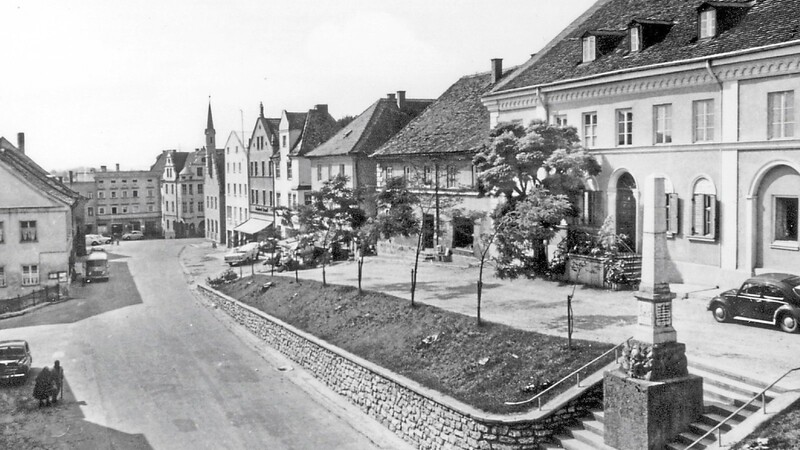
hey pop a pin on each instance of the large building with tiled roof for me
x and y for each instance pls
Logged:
(41, 222)
(183, 200)
(434, 152)
(348, 151)
(700, 93)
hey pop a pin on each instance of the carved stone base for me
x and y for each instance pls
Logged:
(653, 362)
(645, 415)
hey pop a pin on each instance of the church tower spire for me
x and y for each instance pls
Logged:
(210, 133)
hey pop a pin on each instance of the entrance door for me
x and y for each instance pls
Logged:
(626, 211)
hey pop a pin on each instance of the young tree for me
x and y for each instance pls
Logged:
(539, 171)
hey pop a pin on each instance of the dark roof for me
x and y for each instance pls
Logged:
(179, 160)
(296, 120)
(35, 174)
(219, 158)
(318, 128)
(765, 22)
(456, 122)
(364, 134)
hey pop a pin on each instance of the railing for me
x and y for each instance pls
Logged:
(718, 427)
(576, 373)
(20, 302)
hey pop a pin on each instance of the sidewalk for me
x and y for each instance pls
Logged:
(539, 305)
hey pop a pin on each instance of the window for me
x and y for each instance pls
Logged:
(341, 169)
(708, 23)
(407, 173)
(589, 49)
(30, 275)
(283, 141)
(113, 194)
(288, 169)
(113, 210)
(263, 196)
(124, 194)
(389, 172)
(278, 168)
(199, 171)
(786, 209)
(636, 43)
(90, 194)
(591, 213)
(662, 124)
(427, 174)
(101, 194)
(319, 172)
(277, 199)
(560, 120)
(191, 207)
(183, 189)
(589, 129)
(89, 212)
(228, 212)
(2, 276)
(101, 210)
(306, 199)
(452, 176)
(270, 168)
(190, 189)
(2, 234)
(271, 199)
(183, 207)
(150, 208)
(27, 231)
(704, 210)
(781, 114)
(240, 165)
(673, 210)
(199, 188)
(624, 127)
(703, 119)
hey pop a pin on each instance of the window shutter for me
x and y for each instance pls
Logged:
(672, 218)
(697, 216)
(712, 219)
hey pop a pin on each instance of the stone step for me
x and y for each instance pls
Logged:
(725, 410)
(748, 389)
(687, 437)
(698, 367)
(588, 437)
(715, 417)
(573, 443)
(599, 415)
(714, 394)
(595, 426)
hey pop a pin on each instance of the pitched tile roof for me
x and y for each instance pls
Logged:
(764, 22)
(456, 122)
(296, 120)
(318, 128)
(370, 129)
(35, 174)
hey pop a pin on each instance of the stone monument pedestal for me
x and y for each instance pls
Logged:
(646, 415)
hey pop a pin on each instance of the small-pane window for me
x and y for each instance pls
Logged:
(2, 233)
(27, 231)
(452, 176)
(2, 276)
(703, 119)
(662, 124)
(635, 41)
(708, 23)
(90, 211)
(560, 120)
(781, 114)
(319, 172)
(30, 275)
(589, 49)
(589, 129)
(786, 209)
(427, 174)
(624, 127)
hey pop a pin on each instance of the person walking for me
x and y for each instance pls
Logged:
(58, 381)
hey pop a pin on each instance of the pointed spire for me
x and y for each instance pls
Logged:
(210, 125)
(261, 109)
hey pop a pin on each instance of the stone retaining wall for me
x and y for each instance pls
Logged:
(417, 414)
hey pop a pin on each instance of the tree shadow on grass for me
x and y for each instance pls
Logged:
(434, 288)
(591, 322)
(61, 425)
(86, 301)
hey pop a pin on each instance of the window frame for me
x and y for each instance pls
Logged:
(703, 120)
(592, 125)
(589, 47)
(27, 278)
(785, 242)
(704, 211)
(26, 224)
(707, 24)
(624, 118)
(635, 37)
(786, 121)
(662, 117)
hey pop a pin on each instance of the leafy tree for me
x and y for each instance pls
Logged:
(539, 171)
(344, 121)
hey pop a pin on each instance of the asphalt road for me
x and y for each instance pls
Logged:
(148, 366)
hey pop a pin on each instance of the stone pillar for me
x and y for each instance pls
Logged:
(651, 397)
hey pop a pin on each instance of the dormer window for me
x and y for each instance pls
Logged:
(708, 23)
(589, 49)
(636, 39)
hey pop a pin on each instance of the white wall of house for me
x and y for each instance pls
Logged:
(237, 186)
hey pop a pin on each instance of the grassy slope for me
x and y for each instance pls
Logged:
(389, 332)
(782, 431)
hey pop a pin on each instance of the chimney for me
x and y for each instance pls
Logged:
(21, 142)
(391, 97)
(117, 167)
(103, 168)
(71, 177)
(401, 100)
(322, 108)
(497, 69)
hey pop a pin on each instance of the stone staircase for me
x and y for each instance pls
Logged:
(723, 393)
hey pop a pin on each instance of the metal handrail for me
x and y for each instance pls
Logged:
(718, 426)
(575, 372)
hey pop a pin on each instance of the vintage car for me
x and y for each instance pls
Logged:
(15, 360)
(770, 298)
(243, 254)
(133, 236)
(97, 239)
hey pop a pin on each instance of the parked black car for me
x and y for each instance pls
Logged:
(15, 360)
(770, 298)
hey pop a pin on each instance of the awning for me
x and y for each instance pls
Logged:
(253, 226)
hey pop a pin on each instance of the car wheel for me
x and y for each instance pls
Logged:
(788, 323)
(720, 313)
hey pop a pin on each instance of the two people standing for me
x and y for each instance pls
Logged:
(49, 384)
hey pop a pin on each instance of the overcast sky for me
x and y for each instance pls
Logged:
(101, 82)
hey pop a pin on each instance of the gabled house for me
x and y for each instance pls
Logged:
(298, 134)
(182, 209)
(348, 151)
(700, 93)
(41, 226)
(237, 209)
(263, 145)
(434, 153)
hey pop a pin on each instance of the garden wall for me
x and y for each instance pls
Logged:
(417, 414)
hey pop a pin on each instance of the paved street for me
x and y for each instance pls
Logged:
(754, 350)
(147, 366)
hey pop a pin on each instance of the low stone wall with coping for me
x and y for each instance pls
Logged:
(417, 414)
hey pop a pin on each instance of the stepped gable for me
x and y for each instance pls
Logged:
(35, 174)
(764, 22)
(456, 122)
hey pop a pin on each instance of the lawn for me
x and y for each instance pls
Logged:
(483, 366)
(782, 432)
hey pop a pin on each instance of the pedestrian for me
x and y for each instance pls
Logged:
(58, 380)
(43, 387)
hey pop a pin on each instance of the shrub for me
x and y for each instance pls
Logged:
(226, 277)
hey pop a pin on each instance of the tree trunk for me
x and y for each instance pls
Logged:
(360, 269)
(416, 263)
